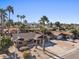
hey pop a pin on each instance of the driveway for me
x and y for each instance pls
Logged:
(73, 55)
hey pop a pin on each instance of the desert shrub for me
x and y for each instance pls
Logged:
(5, 43)
(26, 53)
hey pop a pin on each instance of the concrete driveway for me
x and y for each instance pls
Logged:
(73, 55)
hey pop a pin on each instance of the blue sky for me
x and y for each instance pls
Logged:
(65, 11)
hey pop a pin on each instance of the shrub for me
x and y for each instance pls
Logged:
(26, 53)
(5, 42)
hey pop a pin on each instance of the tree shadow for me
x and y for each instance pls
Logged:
(48, 44)
(30, 57)
(50, 56)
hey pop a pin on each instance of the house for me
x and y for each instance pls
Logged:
(11, 30)
(62, 35)
(50, 35)
(29, 39)
(22, 39)
(39, 39)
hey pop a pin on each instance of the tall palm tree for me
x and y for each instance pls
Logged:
(18, 16)
(43, 22)
(22, 17)
(3, 15)
(25, 22)
(10, 10)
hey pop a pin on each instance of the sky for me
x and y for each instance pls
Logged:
(64, 11)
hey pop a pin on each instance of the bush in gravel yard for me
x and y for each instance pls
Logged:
(26, 53)
(75, 33)
(5, 43)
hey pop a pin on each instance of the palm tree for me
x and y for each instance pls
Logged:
(25, 22)
(18, 23)
(10, 10)
(18, 16)
(3, 15)
(43, 22)
(22, 17)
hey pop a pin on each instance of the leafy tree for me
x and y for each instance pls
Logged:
(51, 24)
(5, 43)
(75, 33)
(58, 25)
(18, 23)
(9, 23)
(24, 28)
